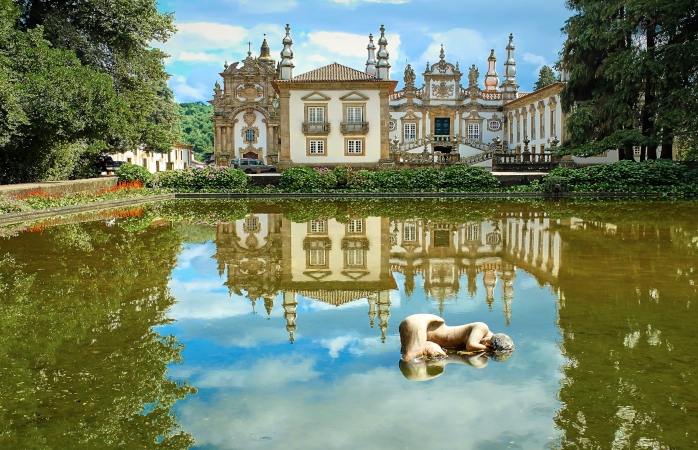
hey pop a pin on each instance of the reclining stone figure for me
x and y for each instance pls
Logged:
(426, 335)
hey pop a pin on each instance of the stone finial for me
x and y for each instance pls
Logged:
(286, 65)
(371, 61)
(383, 66)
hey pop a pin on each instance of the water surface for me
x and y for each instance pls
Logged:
(261, 325)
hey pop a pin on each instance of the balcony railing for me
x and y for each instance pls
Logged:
(354, 127)
(316, 128)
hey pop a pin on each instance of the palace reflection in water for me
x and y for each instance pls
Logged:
(338, 263)
(624, 282)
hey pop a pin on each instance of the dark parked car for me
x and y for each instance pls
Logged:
(249, 165)
(105, 163)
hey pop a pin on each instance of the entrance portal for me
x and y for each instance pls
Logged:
(442, 126)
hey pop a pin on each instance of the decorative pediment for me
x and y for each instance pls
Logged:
(315, 96)
(541, 104)
(552, 101)
(354, 96)
(410, 115)
(474, 116)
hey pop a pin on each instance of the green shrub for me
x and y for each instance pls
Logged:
(462, 178)
(627, 176)
(392, 180)
(131, 172)
(362, 181)
(306, 179)
(343, 173)
(207, 178)
(424, 179)
(555, 185)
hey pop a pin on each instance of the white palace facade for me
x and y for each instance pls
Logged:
(340, 115)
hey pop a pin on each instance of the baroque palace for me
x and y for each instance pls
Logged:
(339, 115)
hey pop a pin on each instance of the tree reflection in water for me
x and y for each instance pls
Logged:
(80, 362)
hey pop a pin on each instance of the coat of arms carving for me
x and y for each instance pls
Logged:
(442, 90)
(250, 93)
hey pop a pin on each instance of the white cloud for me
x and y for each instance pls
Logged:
(183, 91)
(342, 414)
(197, 42)
(319, 48)
(460, 44)
(264, 374)
(358, 346)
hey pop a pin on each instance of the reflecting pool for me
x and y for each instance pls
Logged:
(245, 325)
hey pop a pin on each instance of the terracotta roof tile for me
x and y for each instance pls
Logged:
(332, 72)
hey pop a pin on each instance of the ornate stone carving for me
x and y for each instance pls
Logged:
(410, 77)
(249, 117)
(473, 75)
(442, 90)
(249, 92)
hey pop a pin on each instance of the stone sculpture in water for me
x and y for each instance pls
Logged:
(426, 335)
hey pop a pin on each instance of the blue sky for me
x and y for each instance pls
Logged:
(326, 31)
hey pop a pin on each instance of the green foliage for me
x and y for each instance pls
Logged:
(546, 77)
(202, 212)
(458, 178)
(93, 367)
(197, 127)
(9, 204)
(553, 184)
(78, 79)
(462, 178)
(307, 179)
(132, 172)
(627, 64)
(627, 176)
(207, 178)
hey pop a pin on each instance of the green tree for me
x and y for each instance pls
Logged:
(52, 105)
(114, 37)
(197, 127)
(546, 77)
(78, 79)
(631, 75)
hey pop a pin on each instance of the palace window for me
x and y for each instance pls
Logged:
(316, 147)
(518, 130)
(474, 131)
(355, 114)
(525, 127)
(249, 135)
(318, 226)
(533, 127)
(553, 130)
(391, 125)
(317, 257)
(316, 114)
(410, 132)
(355, 257)
(494, 125)
(355, 226)
(355, 146)
(409, 232)
(472, 232)
(542, 125)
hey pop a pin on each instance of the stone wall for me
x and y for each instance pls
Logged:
(88, 185)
